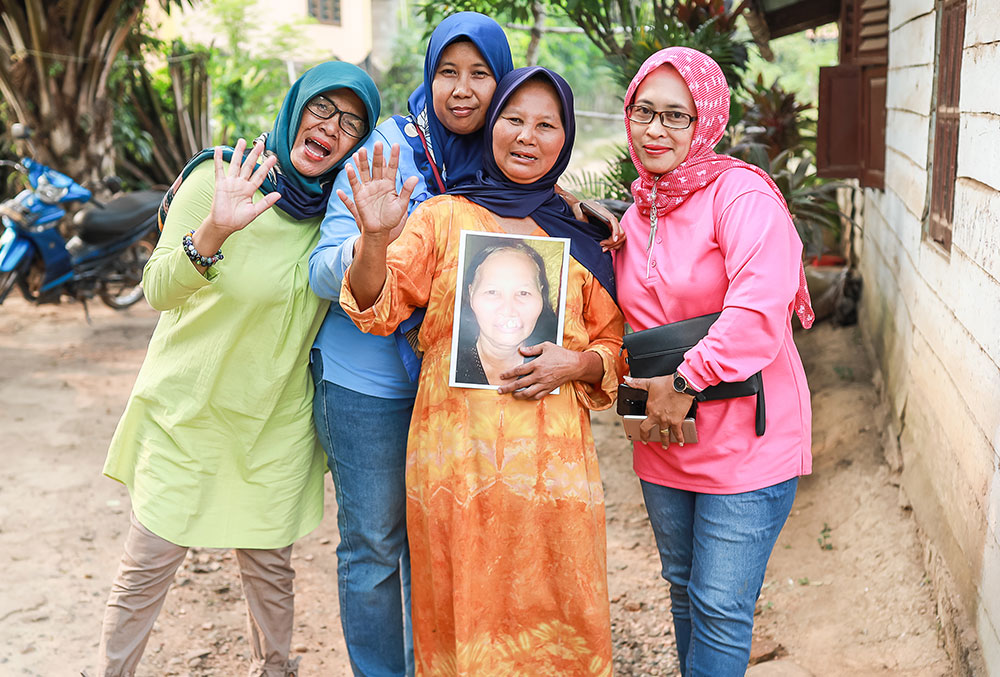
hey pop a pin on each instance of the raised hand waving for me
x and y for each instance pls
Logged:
(379, 211)
(233, 207)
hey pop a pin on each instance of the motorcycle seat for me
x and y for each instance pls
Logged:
(99, 224)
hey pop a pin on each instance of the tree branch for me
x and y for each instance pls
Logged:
(117, 40)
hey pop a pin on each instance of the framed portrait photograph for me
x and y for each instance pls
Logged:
(511, 292)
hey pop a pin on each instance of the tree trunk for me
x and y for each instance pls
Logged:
(55, 59)
(538, 12)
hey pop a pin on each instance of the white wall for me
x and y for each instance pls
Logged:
(351, 41)
(934, 316)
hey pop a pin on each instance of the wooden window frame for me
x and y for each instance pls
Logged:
(946, 120)
(850, 139)
(316, 8)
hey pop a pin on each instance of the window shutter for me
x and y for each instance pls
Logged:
(838, 137)
(864, 32)
(873, 85)
(873, 32)
(944, 170)
(850, 139)
(848, 31)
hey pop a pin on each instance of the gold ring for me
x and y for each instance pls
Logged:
(664, 431)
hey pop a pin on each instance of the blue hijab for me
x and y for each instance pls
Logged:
(493, 190)
(303, 197)
(457, 156)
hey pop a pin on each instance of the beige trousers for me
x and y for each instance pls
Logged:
(146, 572)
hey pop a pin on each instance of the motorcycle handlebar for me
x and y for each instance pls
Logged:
(16, 165)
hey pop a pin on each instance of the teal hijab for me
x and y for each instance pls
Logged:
(316, 80)
(302, 197)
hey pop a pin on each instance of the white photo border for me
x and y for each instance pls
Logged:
(466, 239)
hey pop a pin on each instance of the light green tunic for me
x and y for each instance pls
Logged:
(217, 444)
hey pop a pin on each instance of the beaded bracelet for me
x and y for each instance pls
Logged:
(188, 243)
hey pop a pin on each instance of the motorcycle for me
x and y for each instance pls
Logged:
(110, 245)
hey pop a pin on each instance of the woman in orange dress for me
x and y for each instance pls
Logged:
(505, 510)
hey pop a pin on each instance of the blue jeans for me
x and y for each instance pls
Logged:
(365, 442)
(714, 550)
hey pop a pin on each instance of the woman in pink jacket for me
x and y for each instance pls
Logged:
(709, 233)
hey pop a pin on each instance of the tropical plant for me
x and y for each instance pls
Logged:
(56, 59)
(811, 200)
(774, 118)
(628, 31)
(404, 73)
(8, 184)
(248, 87)
(615, 183)
(164, 119)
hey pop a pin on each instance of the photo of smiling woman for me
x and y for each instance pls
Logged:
(507, 303)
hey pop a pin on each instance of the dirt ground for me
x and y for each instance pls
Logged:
(845, 592)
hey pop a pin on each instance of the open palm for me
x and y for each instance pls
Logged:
(376, 207)
(233, 207)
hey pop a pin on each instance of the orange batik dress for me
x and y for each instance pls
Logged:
(505, 510)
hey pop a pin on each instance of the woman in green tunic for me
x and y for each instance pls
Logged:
(217, 445)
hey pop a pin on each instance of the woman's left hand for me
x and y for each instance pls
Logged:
(617, 238)
(553, 367)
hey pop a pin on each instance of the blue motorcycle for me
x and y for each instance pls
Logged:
(110, 245)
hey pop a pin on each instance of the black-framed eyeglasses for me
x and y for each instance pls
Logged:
(671, 119)
(353, 125)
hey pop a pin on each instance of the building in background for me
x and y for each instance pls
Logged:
(912, 114)
(361, 32)
(930, 258)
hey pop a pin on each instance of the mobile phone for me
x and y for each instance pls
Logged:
(631, 424)
(594, 216)
(631, 401)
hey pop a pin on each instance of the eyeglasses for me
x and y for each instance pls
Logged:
(671, 119)
(353, 125)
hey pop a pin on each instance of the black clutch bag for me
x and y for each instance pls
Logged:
(660, 350)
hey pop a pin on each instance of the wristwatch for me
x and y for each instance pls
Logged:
(681, 385)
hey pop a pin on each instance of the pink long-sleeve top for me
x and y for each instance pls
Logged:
(730, 247)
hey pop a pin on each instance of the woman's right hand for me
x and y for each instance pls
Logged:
(378, 210)
(665, 407)
(233, 207)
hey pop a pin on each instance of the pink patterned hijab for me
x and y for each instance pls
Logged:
(658, 195)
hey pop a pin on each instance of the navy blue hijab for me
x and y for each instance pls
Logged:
(497, 193)
(458, 156)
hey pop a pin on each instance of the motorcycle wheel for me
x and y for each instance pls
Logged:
(120, 288)
(7, 281)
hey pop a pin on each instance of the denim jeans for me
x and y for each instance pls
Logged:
(714, 550)
(365, 442)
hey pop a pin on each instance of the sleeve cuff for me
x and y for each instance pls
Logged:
(368, 320)
(187, 276)
(347, 255)
(696, 384)
(602, 396)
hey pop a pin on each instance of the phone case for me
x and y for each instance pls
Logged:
(631, 401)
(631, 424)
(593, 217)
